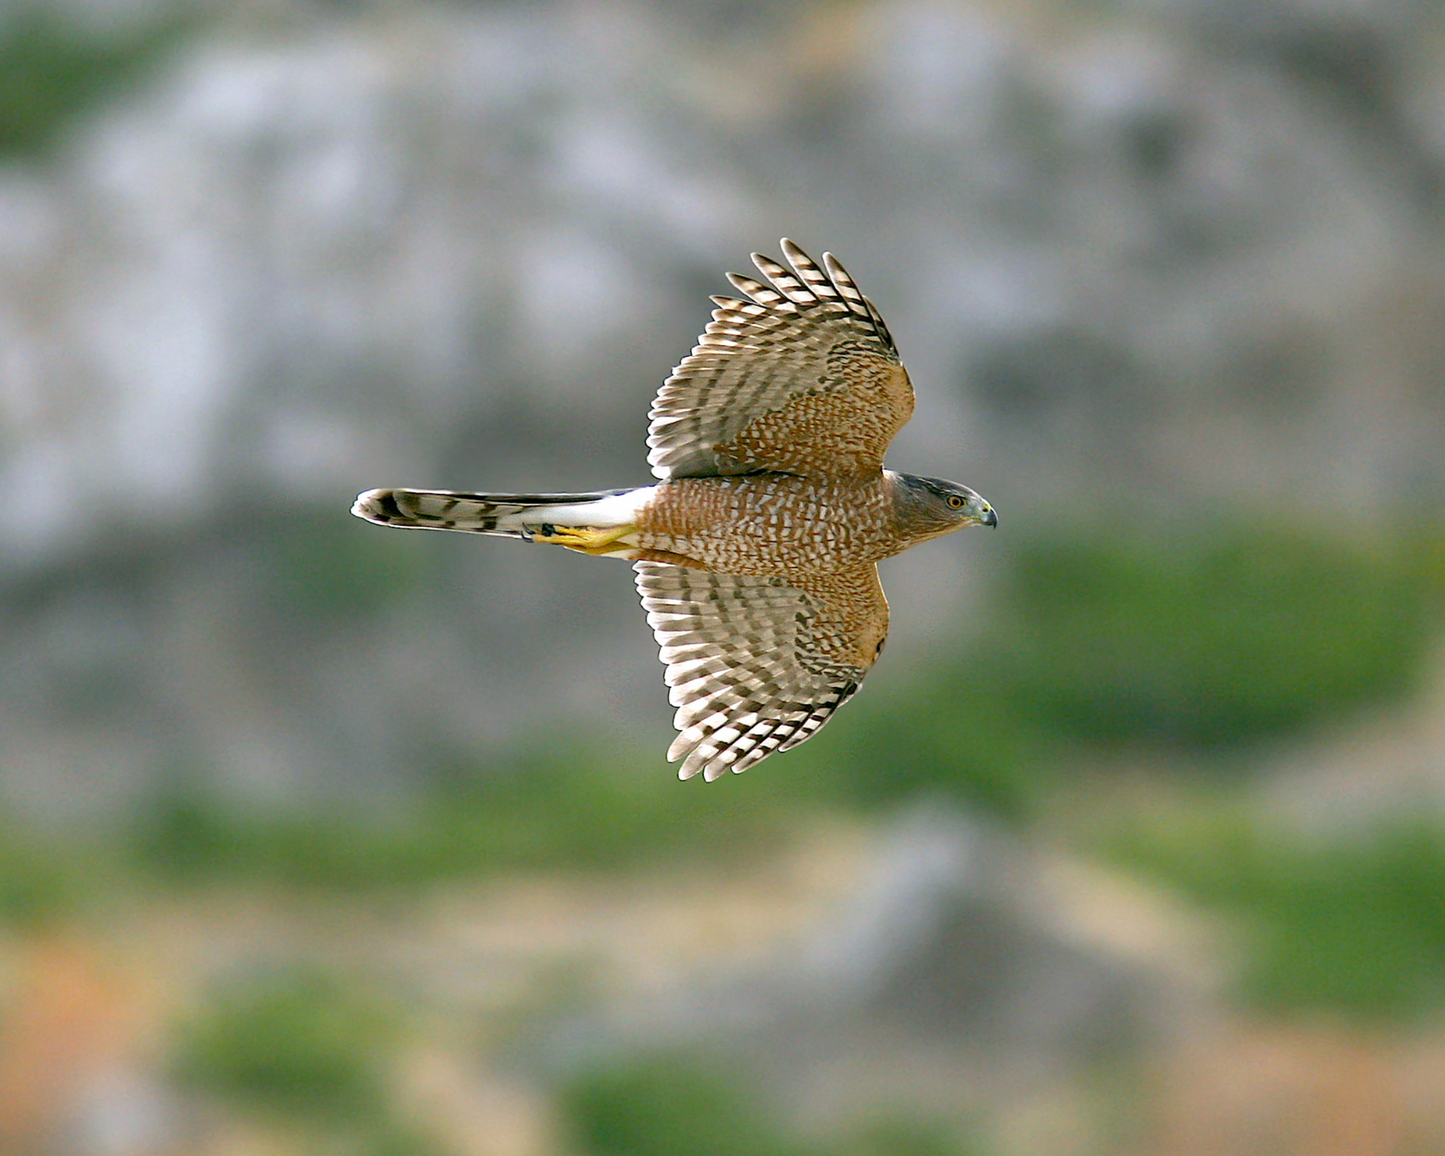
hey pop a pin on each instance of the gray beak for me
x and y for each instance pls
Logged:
(990, 519)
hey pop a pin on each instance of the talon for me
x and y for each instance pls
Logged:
(580, 538)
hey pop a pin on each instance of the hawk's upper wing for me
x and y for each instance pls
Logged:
(757, 665)
(803, 379)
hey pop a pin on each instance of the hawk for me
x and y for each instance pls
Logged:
(756, 551)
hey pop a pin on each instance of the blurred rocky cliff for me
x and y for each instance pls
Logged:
(1141, 258)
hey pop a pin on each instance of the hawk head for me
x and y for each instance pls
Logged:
(927, 507)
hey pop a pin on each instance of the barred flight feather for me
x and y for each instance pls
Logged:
(745, 687)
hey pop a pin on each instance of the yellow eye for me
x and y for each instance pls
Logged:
(956, 502)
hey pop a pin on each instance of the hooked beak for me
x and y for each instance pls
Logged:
(990, 518)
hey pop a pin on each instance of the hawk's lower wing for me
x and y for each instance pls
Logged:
(755, 664)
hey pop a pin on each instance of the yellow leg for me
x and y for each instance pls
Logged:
(583, 540)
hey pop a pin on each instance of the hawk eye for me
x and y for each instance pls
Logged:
(956, 502)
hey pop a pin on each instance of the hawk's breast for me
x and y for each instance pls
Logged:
(768, 523)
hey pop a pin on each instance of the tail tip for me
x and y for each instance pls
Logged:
(376, 506)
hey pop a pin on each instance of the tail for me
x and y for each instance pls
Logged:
(513, 515)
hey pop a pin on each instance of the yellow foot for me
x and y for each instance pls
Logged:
(582, 539)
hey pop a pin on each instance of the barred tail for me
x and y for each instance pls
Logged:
(514, 515)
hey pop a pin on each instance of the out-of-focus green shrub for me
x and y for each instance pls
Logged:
(672, 1107)
(904, 1136)
(681, 1105)
(542, 810)
(1352, 926)
(52, 68)
(923, 735)
(36, 885)
(1239, 633)
(298, 1041)
(300, 1045)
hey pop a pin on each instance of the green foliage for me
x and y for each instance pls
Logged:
(680, 1105)
(301, 1045)
(670, 1107)
(928, 736)
(903, 1136)
(1244, 634)
(297, 1041)
(1355, 927)
(52, 69)
(542, 811)
(36, 885)
(396, 1139)
(1423, 555)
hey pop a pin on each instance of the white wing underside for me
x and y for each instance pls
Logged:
(740, 667)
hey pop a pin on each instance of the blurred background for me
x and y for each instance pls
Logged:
(321, 839)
